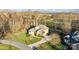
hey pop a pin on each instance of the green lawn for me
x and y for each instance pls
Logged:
(25, 38)
(7, 47)
(48, 46)
(21, 37)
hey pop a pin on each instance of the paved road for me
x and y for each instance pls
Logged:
(16, 44)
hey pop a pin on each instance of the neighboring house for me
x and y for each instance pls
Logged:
(72, 39)
(41, 30)
(75, 46)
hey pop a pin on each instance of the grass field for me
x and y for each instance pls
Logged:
(21, 37)
(25, 38)
(7, 47)
(48, 46)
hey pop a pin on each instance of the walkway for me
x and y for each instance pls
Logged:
(47, 38)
